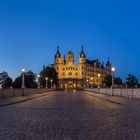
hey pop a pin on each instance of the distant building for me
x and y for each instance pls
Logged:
(84, 74)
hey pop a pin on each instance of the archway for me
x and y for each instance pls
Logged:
(70, 85)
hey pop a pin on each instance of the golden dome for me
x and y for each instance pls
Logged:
(70, 54)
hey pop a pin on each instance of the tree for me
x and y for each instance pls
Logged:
(107, 81)
(6, 81)
(18, 82)
(30, 80)
(118, 81)
(132, 81)
(51, 74)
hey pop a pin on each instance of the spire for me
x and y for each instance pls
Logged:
(82, 54)
(57, 48)
(108, 58)
(44, 67)
(108, 62)
(58, 52)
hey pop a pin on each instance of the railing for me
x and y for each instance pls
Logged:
(125, 92)
(7, 93)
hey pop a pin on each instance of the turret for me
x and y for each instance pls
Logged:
(58, 57)
(70, 57)
(108, 67)
(82, 57)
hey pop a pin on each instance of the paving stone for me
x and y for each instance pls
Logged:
(69, 116)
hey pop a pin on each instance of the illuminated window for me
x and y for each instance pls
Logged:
(70, 73)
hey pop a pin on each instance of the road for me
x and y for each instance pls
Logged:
(71, 115)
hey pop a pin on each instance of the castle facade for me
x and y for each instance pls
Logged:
(87, 73)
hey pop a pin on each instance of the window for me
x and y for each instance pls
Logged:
(70, 73)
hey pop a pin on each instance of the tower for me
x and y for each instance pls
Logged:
(58, 57)
(108, 67)
(58, 62)
(82, 57)
(70, 57)
(82, 63)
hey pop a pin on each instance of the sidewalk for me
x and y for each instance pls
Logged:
(15, 100)
(116, 99)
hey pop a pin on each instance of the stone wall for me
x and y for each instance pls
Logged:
(7, 93)
(125, 92)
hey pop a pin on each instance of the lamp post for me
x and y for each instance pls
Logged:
(113, 73)
(23, 78)
(99, 75)
(51, 82)
(46, 82)
(92, 82)
(38, 76)
(87, 84)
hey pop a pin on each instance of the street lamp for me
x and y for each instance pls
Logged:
(113, 73)
(87, 83)
(46, 82)
(51, 82)
(23, 78)
(38, 76)
(99, 75)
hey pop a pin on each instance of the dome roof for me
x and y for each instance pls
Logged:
(70, 54)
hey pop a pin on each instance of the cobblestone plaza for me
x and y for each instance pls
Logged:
(69, 116)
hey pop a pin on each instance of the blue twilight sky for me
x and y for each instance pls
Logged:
(30, 30)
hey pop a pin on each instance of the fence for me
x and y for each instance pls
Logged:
(7, 93)
(125, 92)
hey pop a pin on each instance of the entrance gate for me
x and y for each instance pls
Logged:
(70, 85)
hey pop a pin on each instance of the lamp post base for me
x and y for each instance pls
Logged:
(22, 86)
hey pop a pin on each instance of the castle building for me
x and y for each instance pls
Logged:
(78, 76)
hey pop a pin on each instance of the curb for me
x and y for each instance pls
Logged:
(24, 100)
(105, 99)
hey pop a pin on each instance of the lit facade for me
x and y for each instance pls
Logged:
(84, 74)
